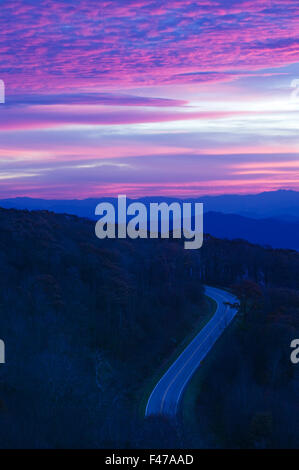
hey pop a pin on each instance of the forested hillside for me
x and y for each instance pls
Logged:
(246, 393)
(87, 323)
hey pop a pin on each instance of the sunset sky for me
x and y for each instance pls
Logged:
(148, 97)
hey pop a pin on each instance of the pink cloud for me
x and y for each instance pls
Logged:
(36, 117)
(68, 65)
(136, 43)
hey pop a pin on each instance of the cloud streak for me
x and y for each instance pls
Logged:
(141, 96)
(136, 43)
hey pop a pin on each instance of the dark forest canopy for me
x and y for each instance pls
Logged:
(87, 323)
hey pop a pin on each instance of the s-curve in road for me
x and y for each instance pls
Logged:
(165, 398)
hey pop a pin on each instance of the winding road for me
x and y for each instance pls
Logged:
(165, 397)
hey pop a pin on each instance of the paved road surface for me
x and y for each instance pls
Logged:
(165, 398)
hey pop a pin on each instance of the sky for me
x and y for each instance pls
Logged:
(142, 97)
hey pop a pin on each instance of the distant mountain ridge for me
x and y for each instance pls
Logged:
(272, 232)
(282, 204)
(269, 218)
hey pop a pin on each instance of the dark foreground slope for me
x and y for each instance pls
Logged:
(86, 323)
